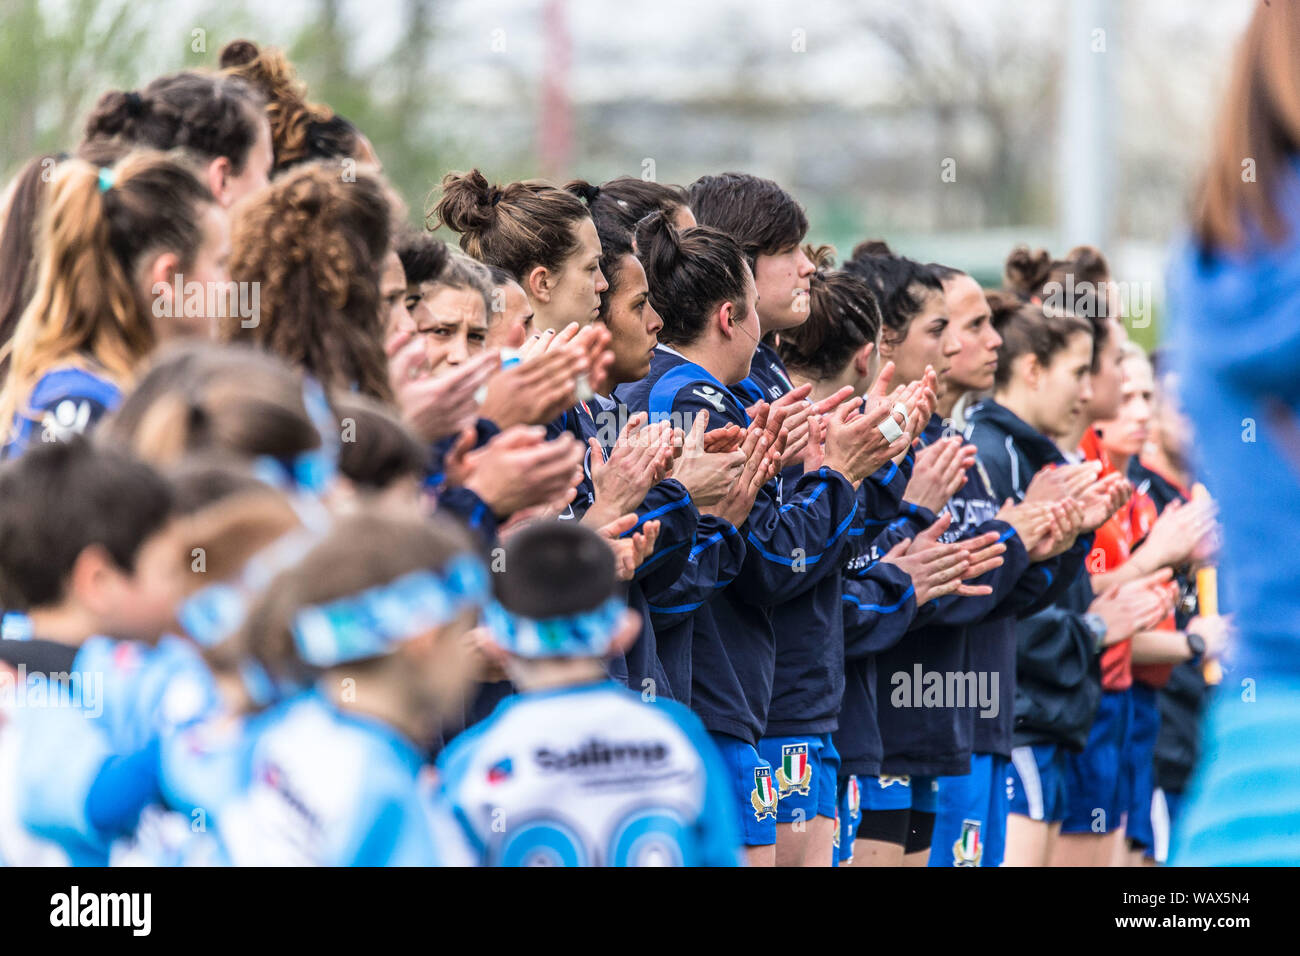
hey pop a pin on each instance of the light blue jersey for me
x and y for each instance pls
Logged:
(590, 776)
(148, 691)
(315, 785)
(85, 743)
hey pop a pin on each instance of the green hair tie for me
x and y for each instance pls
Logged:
(106, 179)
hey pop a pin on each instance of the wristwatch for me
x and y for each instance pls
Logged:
(1195, 644)
(1096, 626)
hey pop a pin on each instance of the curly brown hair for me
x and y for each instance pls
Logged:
(315, 246)
(299, 127)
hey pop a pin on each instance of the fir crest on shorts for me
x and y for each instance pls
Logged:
(763, 799)
(795, 774)
(968, 849)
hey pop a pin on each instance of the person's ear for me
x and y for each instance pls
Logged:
(218, 176)
(93, 577)
(862, 359)
(1033, 370)
(629, 629)
(726, 319)
(539, 284)
(493, 653)
(886, 350)
(160, 276)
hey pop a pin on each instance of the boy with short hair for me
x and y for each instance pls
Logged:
(87, 545)
(576, 770)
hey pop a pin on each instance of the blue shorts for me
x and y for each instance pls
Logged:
(1096, 780)
(1037, 782)
(1140, 768)
(805, 770)
(754, 787)
(925, 794)
(1165, 808)
(886, 793)
(970, 828)
(848, 816)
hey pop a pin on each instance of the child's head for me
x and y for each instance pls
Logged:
(229, 549)
(379, 456)
(381, 603)
(232, 401)
(88, 533)
(541, 617)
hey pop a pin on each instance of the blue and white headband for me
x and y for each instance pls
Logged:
(213, 613)
(311, 472)
(587, 634)
(371, 623)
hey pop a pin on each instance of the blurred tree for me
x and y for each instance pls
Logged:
(53, 64)
(390, 101)
(1000, 75)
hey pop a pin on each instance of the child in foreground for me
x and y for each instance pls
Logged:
(576, 770)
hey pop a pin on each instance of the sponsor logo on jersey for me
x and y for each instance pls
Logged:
(763, 799)
(598, 755)
(710, 395)
(968, 849)
(795, 774)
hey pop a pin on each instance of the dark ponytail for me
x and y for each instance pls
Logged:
(517, 227)
(208, 114)
(690, 274)
(901, 285)
(843, 316)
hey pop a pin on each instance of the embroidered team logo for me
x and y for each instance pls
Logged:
(710, 395)
(763, 799)
(794, 775)
(854, 794)
(68, 418)
(889, 780)
(968, 849)
(500, 771)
